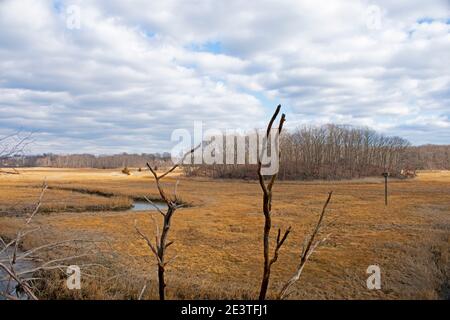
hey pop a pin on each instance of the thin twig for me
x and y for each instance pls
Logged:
(307, 251)
(38, 205)
(143, 290)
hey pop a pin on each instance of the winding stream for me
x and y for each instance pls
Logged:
(142, 205)
(7, 285)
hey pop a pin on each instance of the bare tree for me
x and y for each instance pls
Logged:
(13, 145)
(161, 244)
(267, 207)
(308, 249)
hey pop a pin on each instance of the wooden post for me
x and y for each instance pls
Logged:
(385, 175)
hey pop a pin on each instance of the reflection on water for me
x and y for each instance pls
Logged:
(142, 205)
(7, 285)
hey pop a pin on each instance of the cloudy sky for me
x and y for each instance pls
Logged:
(114, 76)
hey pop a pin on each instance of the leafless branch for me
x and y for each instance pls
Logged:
(47, 246)
(143, 290)
(14, 144)
(149, 243)
(307, 251)
(267, 207)
(161, 244)
(154, 205)
(39, 203)
(15, 256)
(21, 283)
(20, 276)
(279, 244)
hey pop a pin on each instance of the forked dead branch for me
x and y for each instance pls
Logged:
(158, 248)
(267, 207)
(267, 187)
(308, 248)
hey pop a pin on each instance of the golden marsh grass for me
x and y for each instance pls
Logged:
(218, 241)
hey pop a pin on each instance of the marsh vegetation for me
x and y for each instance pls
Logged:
(218, 241)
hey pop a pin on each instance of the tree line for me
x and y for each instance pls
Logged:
(86, 160)
(309, 152)
(325, 152)
(428, 157)
(335, 152)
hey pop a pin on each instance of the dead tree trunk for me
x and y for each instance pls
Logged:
(161, 244)
(267, 207)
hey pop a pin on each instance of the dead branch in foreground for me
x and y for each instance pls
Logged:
(307, 251)
(310, 246)
(9, 265)
(19, 279)
(267, 206)
(160, 245)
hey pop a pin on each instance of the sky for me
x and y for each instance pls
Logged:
(117, 76)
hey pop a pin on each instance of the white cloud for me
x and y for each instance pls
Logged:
(134, 72)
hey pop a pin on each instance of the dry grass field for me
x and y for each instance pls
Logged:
(218, 239)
